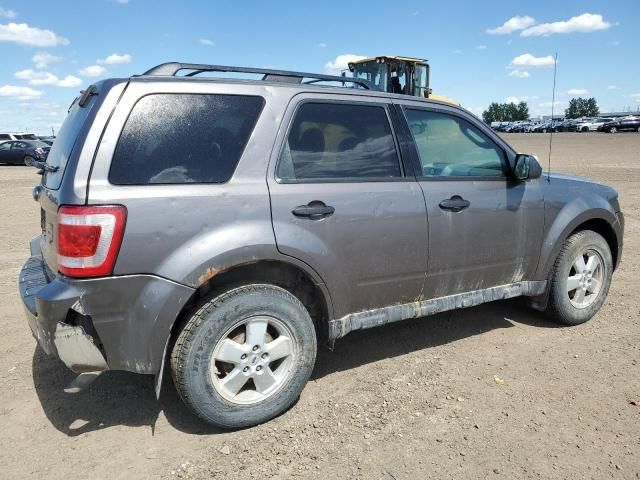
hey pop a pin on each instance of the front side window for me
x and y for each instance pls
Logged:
(184, 138)
(5, 146)
(339, 141)
(449, 146)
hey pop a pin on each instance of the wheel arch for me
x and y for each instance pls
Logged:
(599, 220)
(297, 280)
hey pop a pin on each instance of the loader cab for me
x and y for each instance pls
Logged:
(403, 75)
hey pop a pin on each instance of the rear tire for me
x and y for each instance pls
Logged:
(613, 130)
(28, 159)
(581, 278)
(245, 356)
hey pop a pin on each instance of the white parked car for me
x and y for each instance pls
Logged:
(590, 124)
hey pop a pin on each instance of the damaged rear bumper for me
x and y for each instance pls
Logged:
(92, 325)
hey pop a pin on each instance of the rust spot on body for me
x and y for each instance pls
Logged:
(208, 274)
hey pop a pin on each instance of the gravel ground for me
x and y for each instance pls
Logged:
(494, 391)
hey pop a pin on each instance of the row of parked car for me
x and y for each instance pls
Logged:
(623, 124)
(24, 148)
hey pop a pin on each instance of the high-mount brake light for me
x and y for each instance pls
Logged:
(89, 239)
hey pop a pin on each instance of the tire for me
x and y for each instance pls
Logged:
(27, 159)
(200, 380)
(544, 130)
(613, 130)
(585, 129)
(564, 305)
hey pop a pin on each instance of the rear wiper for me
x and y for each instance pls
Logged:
(43, 166)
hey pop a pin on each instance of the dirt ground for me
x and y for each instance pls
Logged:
(495, 391)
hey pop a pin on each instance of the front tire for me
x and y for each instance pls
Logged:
(613, 130)
(245, 356)
(581, 278)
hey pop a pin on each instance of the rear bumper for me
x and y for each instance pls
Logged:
(119, 323)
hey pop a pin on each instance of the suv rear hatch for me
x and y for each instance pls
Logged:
(67, 185)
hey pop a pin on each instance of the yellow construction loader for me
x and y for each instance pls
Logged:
(403, 75)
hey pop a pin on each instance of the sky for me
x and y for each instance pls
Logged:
(479, 52)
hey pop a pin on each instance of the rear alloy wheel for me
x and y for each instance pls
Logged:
(244, 356)
(581, 278)
(28, 160)
(613, 130)
(585, 129)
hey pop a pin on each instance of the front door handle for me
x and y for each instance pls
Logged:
(314, 210)
(454, 204)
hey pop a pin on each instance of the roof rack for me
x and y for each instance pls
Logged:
(171, 69)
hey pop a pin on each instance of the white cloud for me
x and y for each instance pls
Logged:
(481, 47)
(25, 35)
(636, 96)
(46, 78)
(612, 87)
(587, 22)
(528, 60)
(519, 74)
(92, 71)
(206, 41)
(122, 2)
(114, 58)
(7, 13)
(70, 81)
(322, 45)
(341, 62)
(577, 91)
(42, 59)
(37, 78)
(512, 25)
(514, 99)
(457, 51)
(616, 43)
(21, 93)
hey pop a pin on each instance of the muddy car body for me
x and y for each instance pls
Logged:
(319, 216)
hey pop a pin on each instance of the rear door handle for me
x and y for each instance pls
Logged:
(454, 204)
(314, 210)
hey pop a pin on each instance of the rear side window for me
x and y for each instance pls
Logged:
(339, 141)
(4, 136)
(184, 138)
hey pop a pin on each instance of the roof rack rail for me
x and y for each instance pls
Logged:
(285, 76)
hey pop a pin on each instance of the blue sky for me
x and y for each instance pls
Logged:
(479, 51)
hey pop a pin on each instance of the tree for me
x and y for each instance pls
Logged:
(582, 107)
(506, 112)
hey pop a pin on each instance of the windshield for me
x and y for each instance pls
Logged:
(374, 72)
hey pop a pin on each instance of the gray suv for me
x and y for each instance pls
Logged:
(221, 228)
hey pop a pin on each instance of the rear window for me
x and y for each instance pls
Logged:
(65, 140)
(184, 138)
(4, 136)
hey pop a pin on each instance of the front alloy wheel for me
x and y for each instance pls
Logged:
(585, 279)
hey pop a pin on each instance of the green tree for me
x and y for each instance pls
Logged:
(582, 107)
(506, 112)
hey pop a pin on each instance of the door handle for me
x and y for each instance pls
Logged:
(454, 204)
(314, 210)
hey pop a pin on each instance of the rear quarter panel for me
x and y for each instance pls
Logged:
(188, 233)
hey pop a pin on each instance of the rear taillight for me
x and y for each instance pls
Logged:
(89, 239)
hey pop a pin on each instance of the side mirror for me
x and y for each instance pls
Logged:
(527, 167)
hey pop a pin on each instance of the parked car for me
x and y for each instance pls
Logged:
(47, 139)
(627, 124)
(20, 152)
(566, 125)
(221, 229)
(588, 124)
(17, 136)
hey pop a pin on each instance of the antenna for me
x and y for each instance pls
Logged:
(553, 103)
